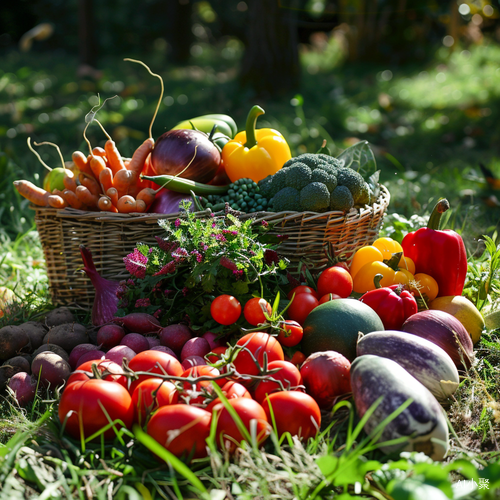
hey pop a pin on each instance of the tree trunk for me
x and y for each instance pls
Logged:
(270, 64)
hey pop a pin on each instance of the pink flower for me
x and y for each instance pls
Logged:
(157, 313)
(177, 222)
(142, 302)
(165, 245)
(228, 264)
(180, 254)
(135, 263)
(166, 269)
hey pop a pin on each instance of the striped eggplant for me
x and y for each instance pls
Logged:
(423, 359)
(423, 422)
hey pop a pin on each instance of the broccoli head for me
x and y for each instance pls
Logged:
(327, 178)
(353, 181)
(315, 197)
(329, 160)
(312, 160)
(364, 199)
(286, 199)
(265, 186)
(271, 184)
(297, 176)
(341, 199)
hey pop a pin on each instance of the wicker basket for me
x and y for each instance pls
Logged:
(111, 237)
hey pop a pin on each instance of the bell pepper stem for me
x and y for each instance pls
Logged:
(253, 114)
(439, 209)
(394, 260)
(376, 280)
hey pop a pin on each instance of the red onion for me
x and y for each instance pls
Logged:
(175, 149)
(167, 202)
(105, 301)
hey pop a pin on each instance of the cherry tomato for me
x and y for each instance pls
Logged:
(291, 334)
(228, 433)
(115, 372)
(83, 402)
(254, 311)
(225, 309)
(231, 390)
(302, 289)
(335, 280)
(298, 358)
(294, 412)
(328, 297)
(150, 395)
(155, 362)
(214, 355)
(193, 393)
(343, 264)
(427, 286)
(255, 345)
(301, 306)
(181, 429)
(288, 374)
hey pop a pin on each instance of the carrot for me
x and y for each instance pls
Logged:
(126, 204)
(104, 204)
(86, 197)
(56, 201)
(35, 194)
(90, 183)
(147, 195)
(123, 181)
(106, 179)
(139, 157)
(98, 151)
(82, 162)
(97, 164)
(141, 205)
(69, 181)
(112, 194)
(115, 160)
(72, 200)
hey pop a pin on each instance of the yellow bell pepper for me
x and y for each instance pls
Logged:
(255, 154)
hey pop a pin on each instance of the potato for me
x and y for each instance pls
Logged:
(36, 331)
(24, 388)
(52, 348)
(51, 368)
(67, 336)
(59, 316)
(13, 340)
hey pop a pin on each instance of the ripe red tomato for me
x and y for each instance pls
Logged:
(328, 297)
(81, 403)
(302, 289)
(301, 306)
(225, 309)
(228, 434)
(115, 372)
(292, 333)
(336, 280)
(145, 403)
(287, 373)
(155, 362)
(213, 355)
(181, 429)
(231, 390)
(298, 358)
(294, 412)
(254, 310)
(343, 264)
(255, 345)
(193, 393)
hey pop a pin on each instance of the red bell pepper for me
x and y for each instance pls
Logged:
(439, 253)
(392, 303)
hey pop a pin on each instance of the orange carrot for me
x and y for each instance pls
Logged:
(104, 204)
(123, 181)
(147, 195)
(72, 200)
(90, 183)
(139, 157)
(141, 205)
(56, 201)
(98, 151)
(106, 179)
(126, 204)
(35, 194)
(112, 194)
(82, 162)
(115, 160)
(69, 181)
(86, 197)
(97, 164)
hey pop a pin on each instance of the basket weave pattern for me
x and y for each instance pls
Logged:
(111, 237)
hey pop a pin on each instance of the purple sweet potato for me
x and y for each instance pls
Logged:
(67, 336)
(13, 340)
(119, 352)
(24, 388)
(109, 336)
(36, 331)
(136, 342)
(142, 323)
(196, 346)
(52, 348)
(51, 368)
(191, 361)
(175, 336)
(59, 316)
(78, 351)
(90, 356)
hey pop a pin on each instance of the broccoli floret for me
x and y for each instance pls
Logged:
(297, 176)
(325, 177)
(353, 181)
(315, 197)
(341, 199)
(265, 186)
(287, 199)
(330, 160)
(364, 199)
(312, 160)
(272, 185)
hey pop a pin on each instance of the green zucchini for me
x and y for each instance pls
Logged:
(181, 185)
